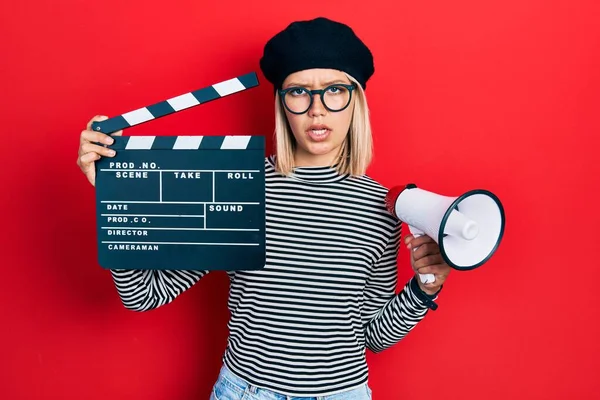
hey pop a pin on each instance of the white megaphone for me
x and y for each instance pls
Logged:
(467, 228)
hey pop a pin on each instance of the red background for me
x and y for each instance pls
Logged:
(495, 94)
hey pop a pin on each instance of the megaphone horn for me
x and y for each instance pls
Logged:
(467, 228)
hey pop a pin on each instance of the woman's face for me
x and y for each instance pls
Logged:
(319, 133)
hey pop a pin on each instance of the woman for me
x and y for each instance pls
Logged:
(300, 326)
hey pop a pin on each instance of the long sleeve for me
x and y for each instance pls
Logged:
(142, 290)
(389, 317)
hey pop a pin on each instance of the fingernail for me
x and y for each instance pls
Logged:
(111, 152)
(109, 140)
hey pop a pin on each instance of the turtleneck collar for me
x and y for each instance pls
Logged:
(315, 175)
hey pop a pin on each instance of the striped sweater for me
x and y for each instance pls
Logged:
(301, 325)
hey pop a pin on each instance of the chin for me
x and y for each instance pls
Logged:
(320, 150)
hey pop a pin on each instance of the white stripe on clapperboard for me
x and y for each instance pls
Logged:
(235, 142)
(187, 142)
(238, 142)
(228, 87)
(140, 143)
(184, 101)
(138, 116)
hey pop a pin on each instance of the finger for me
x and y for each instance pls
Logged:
(433, 286)
(97, 118)
(438, 280)
(423, 270)
(96, 137)
(418, 241)
(439, 270)
(428, 261)
(101, 150)
(425, 250)
(86, 164)
(85, 161)
(408, 238)
(100, 118)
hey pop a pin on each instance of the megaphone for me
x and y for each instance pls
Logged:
(467, 228)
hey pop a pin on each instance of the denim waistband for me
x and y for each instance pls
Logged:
(240, 385)
(238, 382)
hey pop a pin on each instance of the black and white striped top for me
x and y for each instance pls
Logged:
(301, 325)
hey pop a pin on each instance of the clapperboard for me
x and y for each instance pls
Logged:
(181, 202)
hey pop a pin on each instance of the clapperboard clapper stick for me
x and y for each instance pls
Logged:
(176, 104)
(181, 202)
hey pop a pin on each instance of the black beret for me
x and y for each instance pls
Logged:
(316, 43)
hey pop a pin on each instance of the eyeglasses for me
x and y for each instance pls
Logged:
(335, 98)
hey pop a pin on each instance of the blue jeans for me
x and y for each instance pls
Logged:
(231, 387)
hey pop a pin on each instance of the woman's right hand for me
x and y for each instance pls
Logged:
(89, 152)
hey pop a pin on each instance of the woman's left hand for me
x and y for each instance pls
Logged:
(426, 259)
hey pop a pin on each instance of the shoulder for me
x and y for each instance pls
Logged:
(372, 183)
(369, 187)
(372, 193)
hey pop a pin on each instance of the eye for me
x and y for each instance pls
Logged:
(297, 91)
(336, 89)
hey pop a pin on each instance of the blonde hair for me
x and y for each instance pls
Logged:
(355, 153)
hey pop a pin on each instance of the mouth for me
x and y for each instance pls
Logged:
(318, 132)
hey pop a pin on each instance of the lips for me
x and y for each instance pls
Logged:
(318, 132)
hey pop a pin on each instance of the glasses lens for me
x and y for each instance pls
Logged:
(297, 100)
(336, 97)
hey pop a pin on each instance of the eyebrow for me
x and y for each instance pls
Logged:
(292, 84)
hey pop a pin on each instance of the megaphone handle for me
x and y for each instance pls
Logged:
(425, 278)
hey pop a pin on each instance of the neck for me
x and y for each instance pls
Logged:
(303, 159)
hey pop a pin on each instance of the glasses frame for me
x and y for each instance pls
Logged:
(321, 92)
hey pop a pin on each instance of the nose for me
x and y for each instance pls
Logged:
(317, 107)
